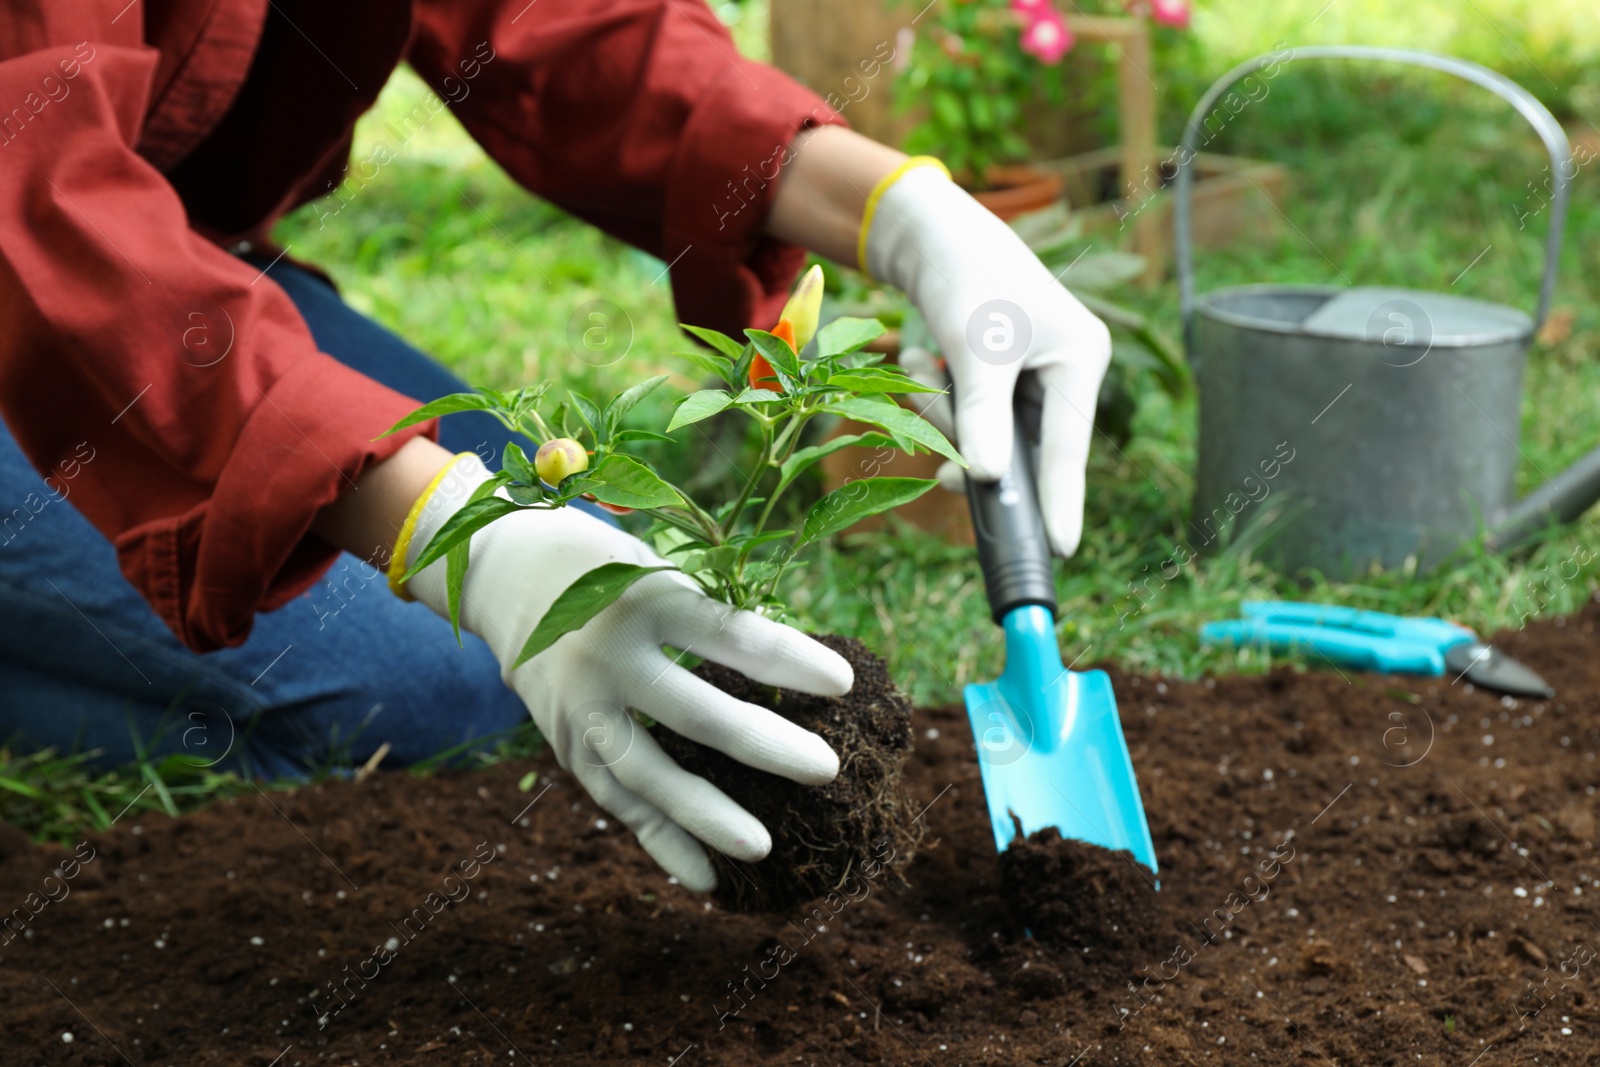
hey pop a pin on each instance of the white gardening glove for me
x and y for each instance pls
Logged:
(996, 312)
(580, 689)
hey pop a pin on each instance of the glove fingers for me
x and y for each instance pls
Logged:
(984, 421)
(926, 368)
(752, 735)
(759, 647)
(1070, 393)
(952, 478)
(679, 854)
(690, 801)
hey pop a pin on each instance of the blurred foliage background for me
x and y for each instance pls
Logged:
(1397, 178)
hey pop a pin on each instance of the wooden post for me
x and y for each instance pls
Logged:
(842, 52)
(1129, 38)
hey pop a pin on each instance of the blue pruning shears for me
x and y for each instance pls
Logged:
(1377, 641)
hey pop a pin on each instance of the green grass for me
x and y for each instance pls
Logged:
(1396, 180)
(1402, 184)
(1405, 183)
(1549, 46)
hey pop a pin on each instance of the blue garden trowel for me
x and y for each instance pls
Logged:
(1049, 743)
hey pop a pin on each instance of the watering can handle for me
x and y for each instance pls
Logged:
(1528, 106)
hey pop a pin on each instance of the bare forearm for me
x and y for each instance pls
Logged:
(825, 188)
(367, 518)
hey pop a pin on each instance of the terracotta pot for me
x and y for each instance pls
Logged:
(1013, 191)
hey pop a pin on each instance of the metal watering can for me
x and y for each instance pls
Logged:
(1368, 425)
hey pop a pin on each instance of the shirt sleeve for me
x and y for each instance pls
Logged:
(640, 117)
(214, 428)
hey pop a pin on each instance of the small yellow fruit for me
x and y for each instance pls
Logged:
(558, 459)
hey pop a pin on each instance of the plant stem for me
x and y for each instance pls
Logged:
(709, 526)
(750, 483)
(783, 561)
(544, 427)
(678, 522)
(778, 461)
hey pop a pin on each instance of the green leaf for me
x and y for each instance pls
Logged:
(639, 435)
(627, 400)
(741, 366)
(691, 559)
(23, 788)
(720, 559)
(626, 483)
(719, 367)
(846, 335)
(445, 405)
(857, 359)
(801, 459)
(851, 503)
(760, 571)
(868, 380)
(526, 782)
(518, 465)
(463, 524)
(750, 542)
(752, 395)
(102, 817)
(588, 413)
(902, 425)
(982, 114)
(526, 493)
(785, 364)
(562, 420)
(161, 789)
(720, 341)
(581, 601)
(455, 562)
(697, 406)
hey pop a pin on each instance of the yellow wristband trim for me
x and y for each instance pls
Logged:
(402, 544)
(877, 194)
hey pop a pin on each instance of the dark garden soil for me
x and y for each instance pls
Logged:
(1355, 870)
(860, 825)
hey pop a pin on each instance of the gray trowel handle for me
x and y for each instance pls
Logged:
(1012, 547)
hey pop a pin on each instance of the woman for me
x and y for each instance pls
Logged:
(203, 412)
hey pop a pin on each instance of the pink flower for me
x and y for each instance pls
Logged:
(1170, 12)
(1031, 9)
(1047, 37)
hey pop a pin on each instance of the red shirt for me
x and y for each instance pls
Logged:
(133, 148)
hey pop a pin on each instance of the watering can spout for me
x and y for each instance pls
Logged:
(1560, 500)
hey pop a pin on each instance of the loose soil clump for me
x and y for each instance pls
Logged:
(1080, 896)
(825, 839)
(1354, 870)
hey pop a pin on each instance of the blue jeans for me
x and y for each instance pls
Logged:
(321, 683)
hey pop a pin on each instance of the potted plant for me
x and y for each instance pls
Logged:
(970, 77)
(732, 549)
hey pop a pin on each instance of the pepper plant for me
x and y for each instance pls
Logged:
(730, 548)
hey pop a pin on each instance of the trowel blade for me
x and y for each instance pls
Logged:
(1486, 667)
(1057, 757)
